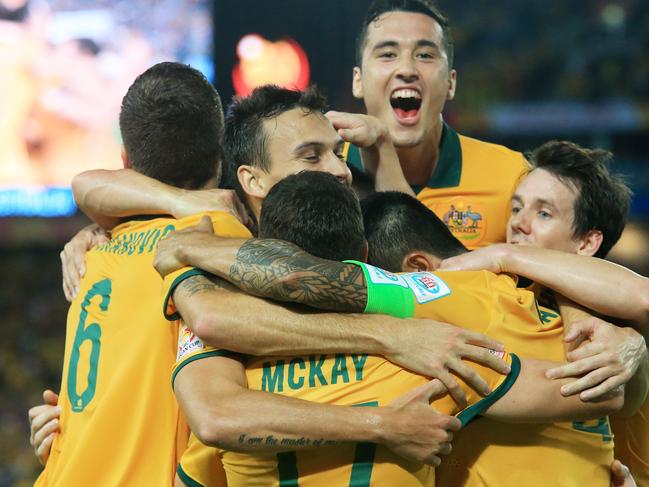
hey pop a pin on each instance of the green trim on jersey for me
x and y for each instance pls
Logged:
(189, 482)
(388, 298)
(469, 414)
(185, 275)
(202, 355)
(448, 171)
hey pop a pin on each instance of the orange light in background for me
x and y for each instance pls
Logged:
(261, 62)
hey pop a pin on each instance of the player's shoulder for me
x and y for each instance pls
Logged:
(492, 152)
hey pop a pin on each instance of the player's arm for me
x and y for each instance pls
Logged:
(534, 398)
(108, 195)
(223, 412)
(597, 284)
(225, 317)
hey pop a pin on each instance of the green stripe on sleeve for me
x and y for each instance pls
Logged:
(385, 297)
(185, 275)
(469, 414)
(188, 481)
(202, 355)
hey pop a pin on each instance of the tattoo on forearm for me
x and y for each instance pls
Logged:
(284, 442)
(282, 271)
(200, 284)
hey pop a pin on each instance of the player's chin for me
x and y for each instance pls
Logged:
(406, 137)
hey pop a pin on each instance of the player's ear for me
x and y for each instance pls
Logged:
(418, 261)
(357, 83)
(365, 251)
(125, 159)
(452, 80)
(590, 244)
(251, 181)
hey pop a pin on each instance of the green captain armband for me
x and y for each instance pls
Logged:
(387, 293)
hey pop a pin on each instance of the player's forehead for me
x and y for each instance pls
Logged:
(297, 128)
(403, 29)
(540, 185)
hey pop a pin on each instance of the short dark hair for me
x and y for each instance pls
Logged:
(246, 141)
(172, 125)
(318, 213)
(397, 224)
(426, 7)
(603, 199)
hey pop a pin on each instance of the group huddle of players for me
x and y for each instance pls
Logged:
(287, 333)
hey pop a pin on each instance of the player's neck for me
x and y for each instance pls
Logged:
(419, 162)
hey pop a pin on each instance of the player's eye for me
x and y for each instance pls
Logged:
(545, 214)
(387, 54)
(516, 210)
(341, 156)
(313, 158)
(425, 55)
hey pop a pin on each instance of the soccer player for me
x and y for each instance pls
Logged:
(560, 206)
(404, 74)
(314, 211)
(113, 389)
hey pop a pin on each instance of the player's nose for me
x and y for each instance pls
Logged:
(520, 222)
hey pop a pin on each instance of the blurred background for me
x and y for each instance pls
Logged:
(528, 71)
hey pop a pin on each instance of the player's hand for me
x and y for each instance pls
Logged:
(169, 256)
(201, 201)
(434, 349)
(608, 356)
(361, 130)
(485, 259)
(73, 257)
(621, 475)
(417, 432)
(44, 425)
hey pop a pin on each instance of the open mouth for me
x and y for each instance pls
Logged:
(406, 103)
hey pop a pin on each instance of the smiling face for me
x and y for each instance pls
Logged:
(543, 215)
(405, 78)
(297, 140)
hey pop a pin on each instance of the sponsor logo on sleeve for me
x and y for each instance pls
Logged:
(188, 343)
(379, 276)
(426, 286)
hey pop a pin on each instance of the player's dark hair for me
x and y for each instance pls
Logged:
(246, 140)
(172, 126)
(426, 7)
(397, 224)
(602, 199)
(318, 213)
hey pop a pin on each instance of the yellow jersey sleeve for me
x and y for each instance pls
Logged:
(191, 348)
(427, 295)
(201, 466)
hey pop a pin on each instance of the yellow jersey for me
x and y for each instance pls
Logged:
(120, 424)
(491, 453)
(471, 187)
(349, 380)
(632, 442)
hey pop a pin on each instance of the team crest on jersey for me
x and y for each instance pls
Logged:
(426, 286)
(188, 343)
(465, 219)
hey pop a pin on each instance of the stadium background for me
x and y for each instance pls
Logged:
(528, 71)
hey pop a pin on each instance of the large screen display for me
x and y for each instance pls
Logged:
(64, 67)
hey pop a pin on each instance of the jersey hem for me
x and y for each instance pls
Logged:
(470, 413)
(184, 476)
(185, 275)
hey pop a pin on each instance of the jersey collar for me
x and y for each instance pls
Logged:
(448, 170)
